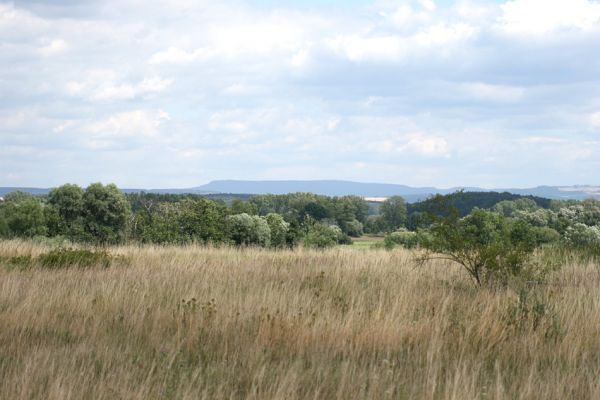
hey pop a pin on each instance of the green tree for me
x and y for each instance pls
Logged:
(279, 230)
(66, 202)
(487, 245)
(188, 220)
(23, 216)
(239, 206)
(106, 214)
(393, 212)
(581, 235)
(321, 236)
(245, 230)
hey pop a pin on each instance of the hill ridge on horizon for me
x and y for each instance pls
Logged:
(338, 187)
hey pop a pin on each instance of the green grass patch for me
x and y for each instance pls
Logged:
(82, 258)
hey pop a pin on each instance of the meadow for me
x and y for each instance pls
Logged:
(198, 322)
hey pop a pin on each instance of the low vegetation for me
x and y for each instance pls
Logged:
(199, 322)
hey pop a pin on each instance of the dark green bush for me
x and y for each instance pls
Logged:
(16, 263)
(402, 237)
(66, 258)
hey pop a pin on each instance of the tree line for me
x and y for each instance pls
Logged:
(102, 214)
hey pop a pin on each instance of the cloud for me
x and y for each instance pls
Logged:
(418, 92)
(486, 91)
(595, 120)
(426, 145)
(105, 85)
(136, 123)
(173, 55)
(54, 47)
(545, 16)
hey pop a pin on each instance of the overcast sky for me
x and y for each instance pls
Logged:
(175, 93)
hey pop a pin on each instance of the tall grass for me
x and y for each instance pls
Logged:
(207, 323)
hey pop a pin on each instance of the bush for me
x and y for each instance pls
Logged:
(19, 263)
(487, 245)
(354, 228)
(66, 258)
(321, 236)
(279, 230)
(581, 235)
(544, 235)
(247, 230)
(402, 237)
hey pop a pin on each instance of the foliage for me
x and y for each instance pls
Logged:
(279, 230)
(374, 224)
(465, 202)
(106, 214)
(239, 206)
(354, 228)
(321, 236)
(544, 235)
(66, 217)
(65, 258)
(488, 246)
(394, 212)
(22, 215)
(508, 208)
(403, 237)
(247, 230)
(581, 235)
(186, 221)
(297, 208)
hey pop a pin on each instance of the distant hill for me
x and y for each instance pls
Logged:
(411, 194)
(36, 191)
(341, 188)
(464, 202)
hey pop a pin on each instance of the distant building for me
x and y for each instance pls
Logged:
(375, 199)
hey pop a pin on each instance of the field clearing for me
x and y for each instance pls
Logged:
(197, 322)
(364, 242)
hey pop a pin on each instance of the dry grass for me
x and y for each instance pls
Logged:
(190, 323)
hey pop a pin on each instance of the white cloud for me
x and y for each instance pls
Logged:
(595, 119)
(427, 145)
(174, 55)
(54, 47)
(544, 16)
(105, 85)
(501, 93)
(428, 5)
(136, 123)
(543, 140)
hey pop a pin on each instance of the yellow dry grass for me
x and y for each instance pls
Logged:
(207, 323)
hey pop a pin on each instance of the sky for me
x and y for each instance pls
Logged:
(176, 93)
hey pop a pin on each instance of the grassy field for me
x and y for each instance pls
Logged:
(365, 242)
(204, 323)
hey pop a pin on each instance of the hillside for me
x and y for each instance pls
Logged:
(341, 188)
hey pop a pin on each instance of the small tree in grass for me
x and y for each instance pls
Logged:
(487, 245)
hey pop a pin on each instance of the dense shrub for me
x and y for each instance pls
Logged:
(487, 245)
(65, 258)
(279, 230)
(402, 237)
(545, 235)
(106, 213)
(247, 230)
(581, 235)
(19, 263)
(354, 228)
(322, 236)
(22, 215)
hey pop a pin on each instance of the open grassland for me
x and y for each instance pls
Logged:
(206, 323)
(365, 242)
